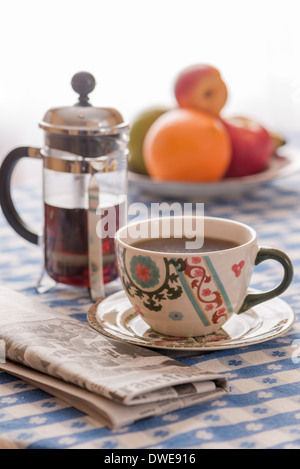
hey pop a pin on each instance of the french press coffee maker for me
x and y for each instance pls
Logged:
(84, 191)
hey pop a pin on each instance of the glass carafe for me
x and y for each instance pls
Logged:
(84, 191)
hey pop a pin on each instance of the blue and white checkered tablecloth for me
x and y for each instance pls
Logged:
(262, 409)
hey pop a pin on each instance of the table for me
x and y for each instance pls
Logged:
(262, 409)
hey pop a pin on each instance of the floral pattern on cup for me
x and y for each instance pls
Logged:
(176, 316)
(143, 280)
(144, 271)
(194, 277)
(208, 289)
(237, 268)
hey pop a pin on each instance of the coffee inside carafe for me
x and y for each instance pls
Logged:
(66, 241)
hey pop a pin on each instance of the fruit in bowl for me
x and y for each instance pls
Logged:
(201, 87)
(252, 146)
(138, 130)
(187, 145)
(193, 142)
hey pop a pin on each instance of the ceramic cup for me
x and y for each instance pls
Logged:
(194, 294)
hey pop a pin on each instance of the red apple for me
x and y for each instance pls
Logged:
(252, 146)
(201, 87)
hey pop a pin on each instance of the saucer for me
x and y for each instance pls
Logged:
(114, 317)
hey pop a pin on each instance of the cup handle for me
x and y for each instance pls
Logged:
(6, 201)
(264, 254)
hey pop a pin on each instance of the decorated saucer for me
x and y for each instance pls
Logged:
(114, 317)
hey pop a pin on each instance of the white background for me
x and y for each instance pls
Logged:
(135, 49)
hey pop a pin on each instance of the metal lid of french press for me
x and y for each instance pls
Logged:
(83, 119)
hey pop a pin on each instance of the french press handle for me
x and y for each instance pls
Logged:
(6, 202)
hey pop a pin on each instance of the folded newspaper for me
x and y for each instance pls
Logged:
(114, 382)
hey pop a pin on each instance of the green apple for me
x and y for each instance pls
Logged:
(137, 133)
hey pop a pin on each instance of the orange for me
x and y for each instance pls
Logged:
(187, 145)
